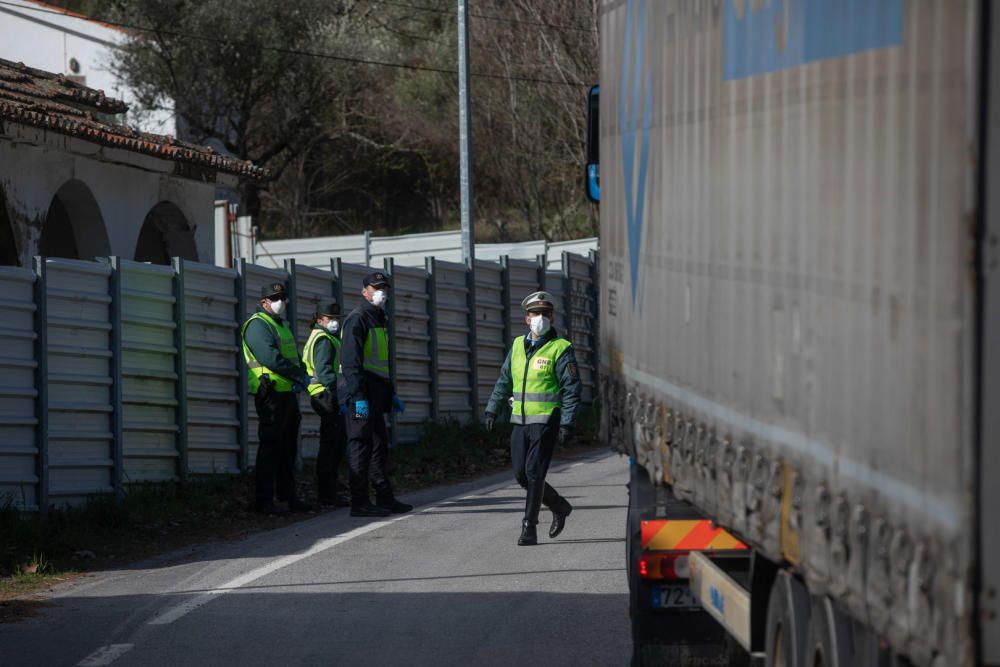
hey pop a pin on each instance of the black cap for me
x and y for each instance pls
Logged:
(273, 291)
(375, 279)
(328, 309)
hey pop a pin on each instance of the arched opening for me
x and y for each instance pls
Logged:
(9, 255)
(74, 226)
(165, 233)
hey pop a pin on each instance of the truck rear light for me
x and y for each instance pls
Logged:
(669, 566)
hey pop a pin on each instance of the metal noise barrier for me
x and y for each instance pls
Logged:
(120, 372)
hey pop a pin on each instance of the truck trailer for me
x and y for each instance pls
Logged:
(800, 325)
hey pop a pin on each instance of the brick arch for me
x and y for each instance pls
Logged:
(74, 227)
(165, 233)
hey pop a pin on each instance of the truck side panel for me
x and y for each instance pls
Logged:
(788, 296)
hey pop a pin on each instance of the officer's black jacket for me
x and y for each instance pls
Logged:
(355, 382)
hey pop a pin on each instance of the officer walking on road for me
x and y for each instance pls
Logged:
(367, 391)
(540, 373)
(274, 374)
(322, 358)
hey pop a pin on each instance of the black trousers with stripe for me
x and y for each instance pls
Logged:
(368, 451)
(531, 449)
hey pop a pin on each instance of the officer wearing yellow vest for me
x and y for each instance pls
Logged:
(275, 374)
(322, 358)
(368, 395)
(541, 375)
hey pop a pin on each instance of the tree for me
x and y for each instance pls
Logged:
(233, 72)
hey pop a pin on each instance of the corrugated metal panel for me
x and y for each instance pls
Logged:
(80, 412)
(453, 341)
(149, 372)
(412, 249)
(491, 348)
(523, 280)
(555, 285)
(212, 360)
(311, 287)
(315, 252)
(18, 419)
(581, 247)
(523, 250)
(256, 277)
(582, 319)
(411, 330)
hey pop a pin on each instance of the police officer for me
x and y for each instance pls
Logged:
(540, 373)
(322, 358)
(367, 391)
(275, 374)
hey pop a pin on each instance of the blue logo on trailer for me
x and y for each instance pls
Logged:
(762, 37)
(635, 112)
(718, 599)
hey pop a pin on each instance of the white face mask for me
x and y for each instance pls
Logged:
(540, 325)
(278, 307)
(333, 326)
(380, 297)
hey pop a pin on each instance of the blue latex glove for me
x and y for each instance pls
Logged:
(297, 387)
(397, 404)
(361, 409)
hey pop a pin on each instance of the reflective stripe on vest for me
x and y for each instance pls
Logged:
(536, 385)
(289, 350)
(315, 387)
(376, 352)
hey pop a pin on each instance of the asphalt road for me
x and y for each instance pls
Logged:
(444, 585)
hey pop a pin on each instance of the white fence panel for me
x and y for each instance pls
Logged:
(212, 359)
(410, 327)
(412, 249)
(522, 250)
(81, 456)
(579, 247)
(491, 348)
(19, 482)
(315, 252)
(453, 341)
(149, 372)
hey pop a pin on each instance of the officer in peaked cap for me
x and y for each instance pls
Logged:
(275, 373)
(540, 373)
(322, 358)
(366, 391)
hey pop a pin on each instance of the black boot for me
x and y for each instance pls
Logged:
(532, 504)
(560, 510)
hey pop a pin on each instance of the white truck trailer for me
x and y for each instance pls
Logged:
(800, 325)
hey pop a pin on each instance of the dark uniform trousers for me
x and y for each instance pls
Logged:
(332, 443)
(531, 449)
(278, 432)
(368, 444)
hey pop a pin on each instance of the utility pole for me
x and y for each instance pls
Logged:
(464, 149)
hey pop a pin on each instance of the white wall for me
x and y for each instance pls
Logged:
(42, 37)
(34, 164)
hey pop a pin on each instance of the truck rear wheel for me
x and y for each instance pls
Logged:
(787, 623)
(829, 642)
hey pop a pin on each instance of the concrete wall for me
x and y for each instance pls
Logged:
(35, 164)
(40, 36)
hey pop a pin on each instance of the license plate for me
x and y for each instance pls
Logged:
(674, 597)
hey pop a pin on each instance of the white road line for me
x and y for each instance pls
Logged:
(186, 607)
(105, 655)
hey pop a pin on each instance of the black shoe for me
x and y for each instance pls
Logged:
(529, 534)
(339, 500)
(369, 510)
(271, 510)
(394, 506)
(296, 505)
(559, 514)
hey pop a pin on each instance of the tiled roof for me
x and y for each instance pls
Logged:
(51, 101)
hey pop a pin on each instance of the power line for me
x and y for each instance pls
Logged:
(301, 52)
(485, 17)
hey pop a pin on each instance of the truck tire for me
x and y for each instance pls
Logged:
(830, 641)
(787, 623)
